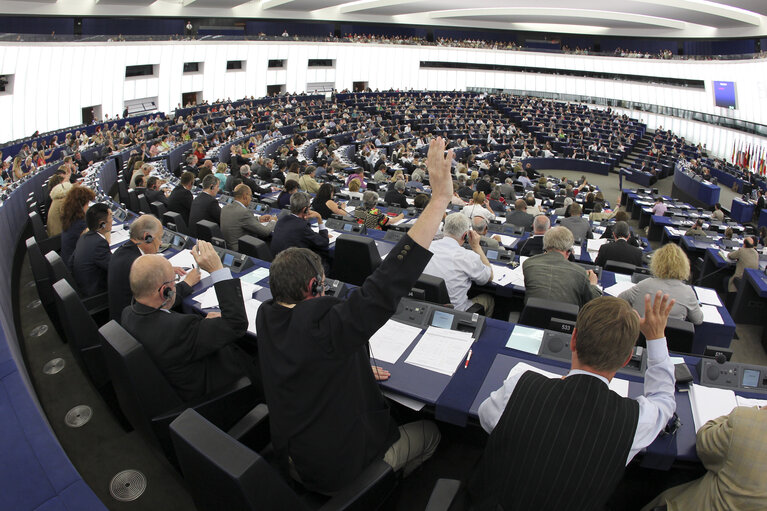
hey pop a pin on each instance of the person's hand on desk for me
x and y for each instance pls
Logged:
(653, 324)
(265, 218)
(497, 238)
(380, 374)
(593, 279)
(178, 270)
(206, 257)
(192, 277)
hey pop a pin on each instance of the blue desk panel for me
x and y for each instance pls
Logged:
(699, 191)
(741, 211)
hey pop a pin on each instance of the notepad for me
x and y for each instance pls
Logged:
(392, 340)
(440, 350)
(709, 403)
(708, 296)
(525, 339)
(184, 259)
(256, 275)
(711, 314)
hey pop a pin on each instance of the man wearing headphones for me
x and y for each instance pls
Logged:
(193, 352)
(90, 259)
(746, 257)
(328, 418)
(145, 238)
(294, 230)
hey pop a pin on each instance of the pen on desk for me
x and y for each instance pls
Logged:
(468, 357)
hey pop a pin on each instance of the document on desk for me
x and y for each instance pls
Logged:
(711, 314)
(507, 241)
(594, 245)
(208, 298)
(617, 385)
(503, 275)
(622, 277)
(119, 236)
(440, 350)
(391, 340)
(251, 309)
(525, 339)
(708, 296)
(184, 259)
(618, 287)
(709, 403)
(576, 251)
(256, 275)
(332, 235)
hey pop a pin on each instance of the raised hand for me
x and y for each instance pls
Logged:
(653, 324)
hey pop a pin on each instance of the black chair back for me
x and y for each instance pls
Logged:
(133, 203)
(122, 191)
(538, 312)
(38, 228)
(143, 204)
(158, 209)
(620, 267)
(254, 247)
(57, 270)
(680, 336)
(433, 289)
(221, 473)
(356, 257)
(82, 333)
(177, 220)
(207, 230)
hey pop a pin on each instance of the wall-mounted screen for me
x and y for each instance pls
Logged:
(724, 95)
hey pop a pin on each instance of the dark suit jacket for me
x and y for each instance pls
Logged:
(257, 190)
(90, 262)
(180, 201)
(619, 250)
(119, 293)
(332, 430)
(394, 198)
(520, 219)
(608, 234)
(193, 352)
(155, 196)
(292, 231)
(204, 207)
(531, 246)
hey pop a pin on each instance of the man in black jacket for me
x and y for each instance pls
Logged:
(395, 196)
(619, 250)
(205, 206)
(153, 192)
(331, 431)
(145, 238)
(194, 353)
(180, 199)
(90, 259)
(533, 245)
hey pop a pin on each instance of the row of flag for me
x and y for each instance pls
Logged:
(750, 157)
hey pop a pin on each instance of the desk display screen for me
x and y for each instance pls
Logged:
(177, 241)
(348, 227)
(492, 254)
(750, 378)
(442, 320)
(724, 95)
(228, 259)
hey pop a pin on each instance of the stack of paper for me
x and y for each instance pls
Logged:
(440, 350)
(620, 387)
(710, 403)
(594, 245)
(525, 339)
(207, 299)
(391, 340)
(256, 275)
(618, 288)
(184, 259)
(711, 314)
(503, 276)
(709, 296)
(119, 236)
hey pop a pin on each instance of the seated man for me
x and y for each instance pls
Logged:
(579, 226)
(153, 192)
(459, 267)
(205, 206)
(696, 229)
(307, 182)
(237, 220)
(533, 245)
(619, 250)
(180, 199)
(330, 431)
(520, 217)
(395, 196)
(145, 238)
(733, 449)
(551, 276)
(479, 225)
(621, 216)
(563, 443)
(294, 230)
(194, 353)
(90, 260)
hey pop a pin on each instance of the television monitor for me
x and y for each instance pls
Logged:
(724, 95)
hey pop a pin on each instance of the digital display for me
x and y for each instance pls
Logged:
(177, 240)
(228, 259)
(750, 378)
(442, 320)
(348, 227)
(492, 254)
(724, 95)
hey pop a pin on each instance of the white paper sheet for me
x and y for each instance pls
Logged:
(709, 403)
(709, 296)
(576, 252)
(617, 385)
(119, 236)
(507, 241)
(440, 350)
(391, 340)
(503, 276)
(184, 259)
(711, 314)
(409, 402)
(618, 288)
(207, 299)
(256, 275)
(594, 245)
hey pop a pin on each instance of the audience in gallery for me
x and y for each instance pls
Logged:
(670, 268)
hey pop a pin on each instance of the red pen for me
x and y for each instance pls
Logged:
(467, 360)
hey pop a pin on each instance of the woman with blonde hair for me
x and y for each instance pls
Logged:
(670, 268)
(17, 171)
(478, 206)
(59, 189)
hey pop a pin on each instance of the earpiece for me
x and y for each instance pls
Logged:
(315, 290)
(148, 238)
(102, 225)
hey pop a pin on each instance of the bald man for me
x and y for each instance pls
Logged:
(195, 353)
(145, 238)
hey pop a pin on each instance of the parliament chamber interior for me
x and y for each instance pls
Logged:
(375, 254)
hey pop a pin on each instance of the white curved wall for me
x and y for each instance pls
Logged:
(52, 82)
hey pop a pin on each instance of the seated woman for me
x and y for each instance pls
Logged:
(354, 189)
(371, 216)
(324, 204)
(478, 206)
(670, 267)
(359, 176)
(497, 203)
(283, 199)
(59, 185)
(73, 219)
(220, 173)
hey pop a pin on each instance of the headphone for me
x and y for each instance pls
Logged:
(102, 225)
(315, 291)
(148, 238)
(167, 295)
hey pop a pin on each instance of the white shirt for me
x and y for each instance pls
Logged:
(473, 210)
(656, 406)
(458, 267)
